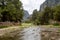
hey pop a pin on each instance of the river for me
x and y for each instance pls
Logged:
(31, 33)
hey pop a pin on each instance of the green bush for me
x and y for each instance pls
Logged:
(28, 21)
(56, 24)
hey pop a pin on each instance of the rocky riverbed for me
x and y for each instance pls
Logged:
(30, 33)
(50, 34)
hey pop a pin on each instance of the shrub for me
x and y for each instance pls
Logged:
(56, 24)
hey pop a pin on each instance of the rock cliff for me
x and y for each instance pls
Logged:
(49, 3)
(26, 15)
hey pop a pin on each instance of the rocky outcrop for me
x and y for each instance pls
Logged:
(49, 3)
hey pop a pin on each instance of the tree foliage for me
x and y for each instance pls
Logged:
(11, 10)
(34, 16)
(42, 17)
(57, 13)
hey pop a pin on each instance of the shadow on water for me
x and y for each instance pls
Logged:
(31, 33)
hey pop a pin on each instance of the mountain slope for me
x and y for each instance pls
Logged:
(26, 15)
(49, 3)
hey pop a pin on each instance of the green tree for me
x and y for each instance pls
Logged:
(34, 16)
(44, 16)
(11, 11)
(57, 13)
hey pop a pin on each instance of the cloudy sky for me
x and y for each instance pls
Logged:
(30, 5)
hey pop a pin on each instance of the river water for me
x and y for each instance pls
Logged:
(31, 33)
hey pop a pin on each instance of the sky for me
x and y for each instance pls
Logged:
(30, 5)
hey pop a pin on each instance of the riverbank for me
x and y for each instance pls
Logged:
(50, 34)
(11, 33)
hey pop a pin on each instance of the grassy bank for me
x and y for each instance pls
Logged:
(10, 33)
(50, 26)
(24, 25)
